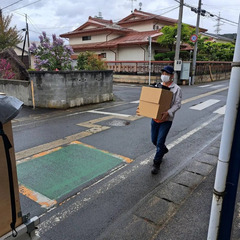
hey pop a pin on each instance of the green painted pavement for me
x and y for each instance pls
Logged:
(58, 173)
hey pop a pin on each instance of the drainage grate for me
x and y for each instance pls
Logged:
(118, 123)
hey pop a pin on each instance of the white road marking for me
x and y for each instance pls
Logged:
(109, 113)
(205, 104)
(187, 135)
(218, 86)
(221, 110)
(76, 206)
(208, 85)
(135, 101)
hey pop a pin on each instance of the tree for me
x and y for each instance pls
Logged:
(168, 38)
(51, 56)
(89, 61)
(9, 36)
(215, 51)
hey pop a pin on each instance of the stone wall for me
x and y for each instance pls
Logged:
(63, 89)
(66, 89)
(17, 88)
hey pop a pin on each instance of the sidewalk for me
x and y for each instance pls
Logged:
(178, 210)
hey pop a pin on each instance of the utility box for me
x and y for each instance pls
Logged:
(5, 199)
(154, 101)
(177, 65)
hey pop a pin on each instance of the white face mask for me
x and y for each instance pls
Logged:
(165, 78)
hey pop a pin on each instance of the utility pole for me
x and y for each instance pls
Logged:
(150, 59)
(28, 42)
(195, 45)
(228, 167)
(179, 33)
(26, 39)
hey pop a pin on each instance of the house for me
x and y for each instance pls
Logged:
(218, 38)
(126, 40)
(23, 55)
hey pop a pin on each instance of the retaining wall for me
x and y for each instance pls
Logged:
(17, 88)
(63, 89)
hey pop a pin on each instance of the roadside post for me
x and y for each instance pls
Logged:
(228, 167)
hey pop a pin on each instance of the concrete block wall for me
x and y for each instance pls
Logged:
(17, 88)
(66, 89)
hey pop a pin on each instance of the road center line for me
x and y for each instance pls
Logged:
(203, 95)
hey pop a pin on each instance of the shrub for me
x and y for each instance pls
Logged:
(89, 61)
(159, 56)
(6, 71)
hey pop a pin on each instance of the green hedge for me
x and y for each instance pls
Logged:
(169, 56)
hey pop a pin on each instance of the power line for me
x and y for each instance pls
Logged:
(12, 4)
(205, 13)
(25, 6)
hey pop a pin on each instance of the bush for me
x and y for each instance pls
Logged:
(89, 61)
(184, 55)
(202, 57)
(170, 55)
(159, 56)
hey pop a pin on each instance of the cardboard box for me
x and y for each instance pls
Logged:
(5, 201)
(154, 101)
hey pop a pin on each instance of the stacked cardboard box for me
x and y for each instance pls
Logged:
(5, 200)
(154, 101)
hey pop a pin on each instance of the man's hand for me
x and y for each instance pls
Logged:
(165, 116)
(137, 111)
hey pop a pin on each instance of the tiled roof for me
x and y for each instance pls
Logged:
(100, 25)
(133, 38)
(140, 16)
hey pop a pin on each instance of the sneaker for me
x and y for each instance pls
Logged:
(155, 170)
(165, 150)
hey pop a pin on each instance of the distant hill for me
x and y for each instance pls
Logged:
(229, 35)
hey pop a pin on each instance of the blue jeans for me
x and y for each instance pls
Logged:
(159, 132)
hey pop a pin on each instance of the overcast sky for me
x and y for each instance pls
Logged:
(61, 16)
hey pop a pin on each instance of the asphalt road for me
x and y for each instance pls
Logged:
(87, 209)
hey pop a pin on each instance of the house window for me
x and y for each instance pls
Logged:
(86, 38)
(156, 27)
(102, 55)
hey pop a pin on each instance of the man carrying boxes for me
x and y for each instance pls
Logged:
(160, 104)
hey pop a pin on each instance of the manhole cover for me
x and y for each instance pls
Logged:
(118, 123)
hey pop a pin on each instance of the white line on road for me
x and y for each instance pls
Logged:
(218, 86)
(205, 104)
(208, 85)
(109, 113)
(187, 135)
(76, 206)
(221, 110)
(135, 101)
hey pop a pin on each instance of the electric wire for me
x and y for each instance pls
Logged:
(12, 4)
(24, 6)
